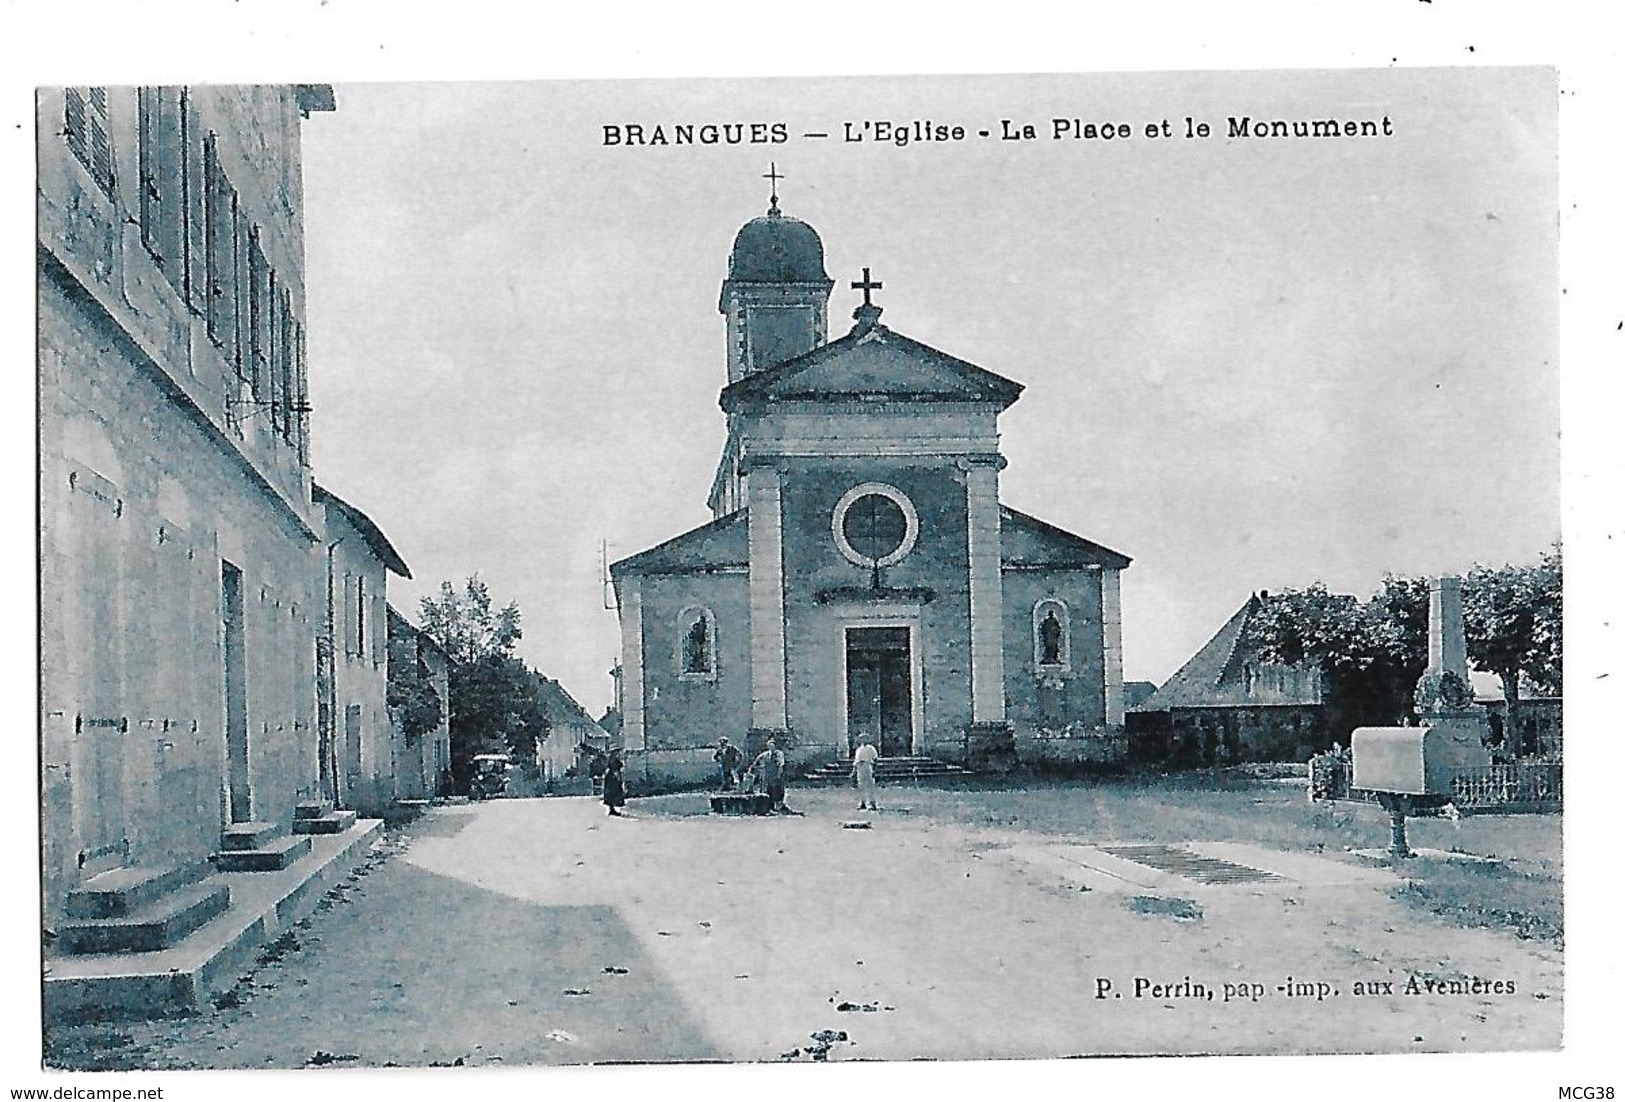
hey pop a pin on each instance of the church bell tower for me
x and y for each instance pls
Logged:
(776, 296)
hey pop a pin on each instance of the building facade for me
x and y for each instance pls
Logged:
(179, 549)
(355, 732)
(860, 574)
(418, 666)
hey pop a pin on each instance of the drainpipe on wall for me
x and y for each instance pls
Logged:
(329, 687)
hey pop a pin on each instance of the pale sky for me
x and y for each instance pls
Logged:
(1250, 363)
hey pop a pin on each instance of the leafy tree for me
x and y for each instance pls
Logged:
(465, 624)
(1371, 653)
(1514, 618)
(496, 701)
(412, 700)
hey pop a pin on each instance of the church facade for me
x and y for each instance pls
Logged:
(860, 574)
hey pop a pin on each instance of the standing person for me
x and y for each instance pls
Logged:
(614, 784)
(727, 758)
(863, 771)
(768, 769)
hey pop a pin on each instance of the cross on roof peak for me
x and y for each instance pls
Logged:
(867, 285)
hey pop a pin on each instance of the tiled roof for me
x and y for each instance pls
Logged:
(362, 523)
(1223, 674)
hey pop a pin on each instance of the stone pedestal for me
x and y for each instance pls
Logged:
(990, 747)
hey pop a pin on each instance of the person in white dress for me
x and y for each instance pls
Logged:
(863, 771)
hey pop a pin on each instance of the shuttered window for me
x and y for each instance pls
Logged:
(195, 185)
(220, 217)
(302, 405)
(258, 295)
(88, 133)
(160, 145)
(243, 288)
(287, 367)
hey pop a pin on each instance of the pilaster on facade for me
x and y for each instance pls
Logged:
(767, 643)
(1111, 630)
(986, 590)
(631, 678)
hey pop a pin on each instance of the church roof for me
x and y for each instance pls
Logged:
(872, 362)
(1224, 673)
(724, 542)
(1028, 541)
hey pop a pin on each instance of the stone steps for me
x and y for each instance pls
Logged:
(120, 892)
(272, 856)
(186, 972)
(150, 926)
(248, 836)
(329, 822)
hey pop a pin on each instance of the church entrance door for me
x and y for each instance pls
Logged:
(879, 689)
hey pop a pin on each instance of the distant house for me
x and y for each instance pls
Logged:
(355, 735)
(571, 734)
(1528, 727)
(1227, 704)
(418, 667)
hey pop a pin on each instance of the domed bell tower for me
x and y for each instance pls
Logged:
(776, 296)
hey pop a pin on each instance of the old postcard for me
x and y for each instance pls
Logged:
(800, 570)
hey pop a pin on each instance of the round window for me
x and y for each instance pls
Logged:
(875, 525)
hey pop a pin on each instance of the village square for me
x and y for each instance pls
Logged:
(867, 771)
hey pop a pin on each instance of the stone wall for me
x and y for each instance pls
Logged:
(1197, 737)
(138, 510)
(688, 711)
(1055, 705)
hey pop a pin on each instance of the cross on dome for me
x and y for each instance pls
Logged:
(774, 175)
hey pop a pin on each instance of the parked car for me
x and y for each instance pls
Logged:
(490, 778)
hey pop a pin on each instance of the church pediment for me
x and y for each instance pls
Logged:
(876, 365)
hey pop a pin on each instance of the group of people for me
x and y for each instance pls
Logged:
(766, 774)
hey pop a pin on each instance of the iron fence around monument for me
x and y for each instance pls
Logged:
(1505, 787)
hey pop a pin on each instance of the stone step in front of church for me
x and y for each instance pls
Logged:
(191, 939)
(148, 925)
(327, 821)
(266, 856)
(911, 768)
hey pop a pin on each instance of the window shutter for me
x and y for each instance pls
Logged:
(258, 324)
(168, 173)
(101, 140)
(290, 379)
(273, 352)
(218, 246)
(349, 615)
(242, 293)
(194, 204)
(146, 111)
(303, 391)
(74, 127)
